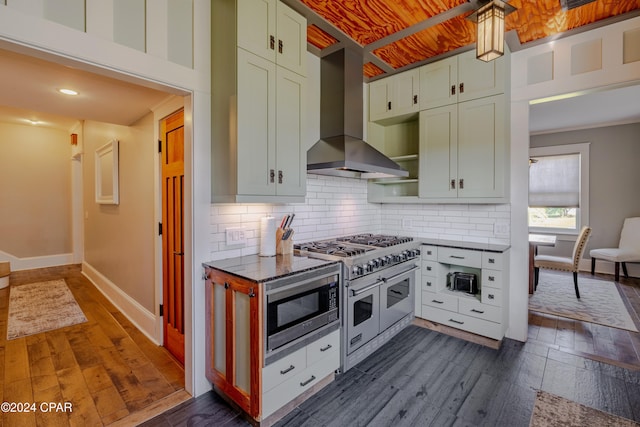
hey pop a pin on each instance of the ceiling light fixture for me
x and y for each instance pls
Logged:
(490, 28)
(68, 91)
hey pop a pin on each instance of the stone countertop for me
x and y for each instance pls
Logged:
(488, 247)
(263, 269)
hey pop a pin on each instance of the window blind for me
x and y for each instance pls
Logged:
(554, 181)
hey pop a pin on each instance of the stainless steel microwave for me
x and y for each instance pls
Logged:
(301, 304)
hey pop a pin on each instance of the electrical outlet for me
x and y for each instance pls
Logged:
(236, 236)
(406, 224)
(501, 228)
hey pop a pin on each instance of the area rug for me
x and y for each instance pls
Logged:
(40, 307)
(600, 302)
(554, 411)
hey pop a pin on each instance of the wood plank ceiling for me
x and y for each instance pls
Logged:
(400, 34)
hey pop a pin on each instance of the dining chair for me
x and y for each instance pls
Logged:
(564, 263)
(628, 249)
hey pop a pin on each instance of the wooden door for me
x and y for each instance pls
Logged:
(172, 155)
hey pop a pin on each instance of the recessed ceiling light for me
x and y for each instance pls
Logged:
(68, 91)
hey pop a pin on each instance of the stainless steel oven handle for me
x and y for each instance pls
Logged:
(388, 279)
(368, 288)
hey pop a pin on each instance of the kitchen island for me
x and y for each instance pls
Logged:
(273, 330)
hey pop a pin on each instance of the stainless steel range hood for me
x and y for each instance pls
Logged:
(341, 150)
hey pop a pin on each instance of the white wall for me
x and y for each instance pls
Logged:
(35, 186)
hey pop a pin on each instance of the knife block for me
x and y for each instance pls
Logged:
(284, 247)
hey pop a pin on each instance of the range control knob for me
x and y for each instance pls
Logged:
(357, 270)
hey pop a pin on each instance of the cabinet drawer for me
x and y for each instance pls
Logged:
(429, 253)
(430, 284)
(461, 257)
(284, 393)
(283, 369)
(492, 278)
(440, 300)
(475, 308)
(491, 296)
(324, 347)
(430, 268)
(464, 322)
(492, 260)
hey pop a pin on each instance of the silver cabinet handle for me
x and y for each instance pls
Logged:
(289, 369)
(304, 383)
(326, 348)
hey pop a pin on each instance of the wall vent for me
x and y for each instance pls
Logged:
(572, 4)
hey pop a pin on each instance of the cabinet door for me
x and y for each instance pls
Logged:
(291, 154)
(379, 98)
(234, 329)
(257, 27)
(291, 43)
(438, 83)
(477, 79)
(256, 129)
(405, 93)
(438, 152)
(481, 147)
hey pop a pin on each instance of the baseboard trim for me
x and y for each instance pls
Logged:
(142, 318)
(32, 263)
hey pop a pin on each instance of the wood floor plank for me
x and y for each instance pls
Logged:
(74, 389)
(16, 391)
(46, 416)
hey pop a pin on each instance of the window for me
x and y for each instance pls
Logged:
(559, 188)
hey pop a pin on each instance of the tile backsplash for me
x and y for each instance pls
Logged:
(337, 206)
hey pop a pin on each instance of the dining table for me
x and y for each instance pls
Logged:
(536, 240)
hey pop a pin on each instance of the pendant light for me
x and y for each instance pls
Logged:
(490, 29)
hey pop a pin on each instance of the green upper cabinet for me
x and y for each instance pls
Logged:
(463, 152)
(394, 98)
(274, 31)
(258, 105)
(457, 148)
(460, 78)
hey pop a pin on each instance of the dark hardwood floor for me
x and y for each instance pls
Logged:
(425, 378)
(105, 368)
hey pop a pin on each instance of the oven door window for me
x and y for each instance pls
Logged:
(397, 293)
(295, 309)
(362, 310)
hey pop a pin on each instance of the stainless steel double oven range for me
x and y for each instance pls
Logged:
(377, 299)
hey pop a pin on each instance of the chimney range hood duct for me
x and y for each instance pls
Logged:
(341, 150)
